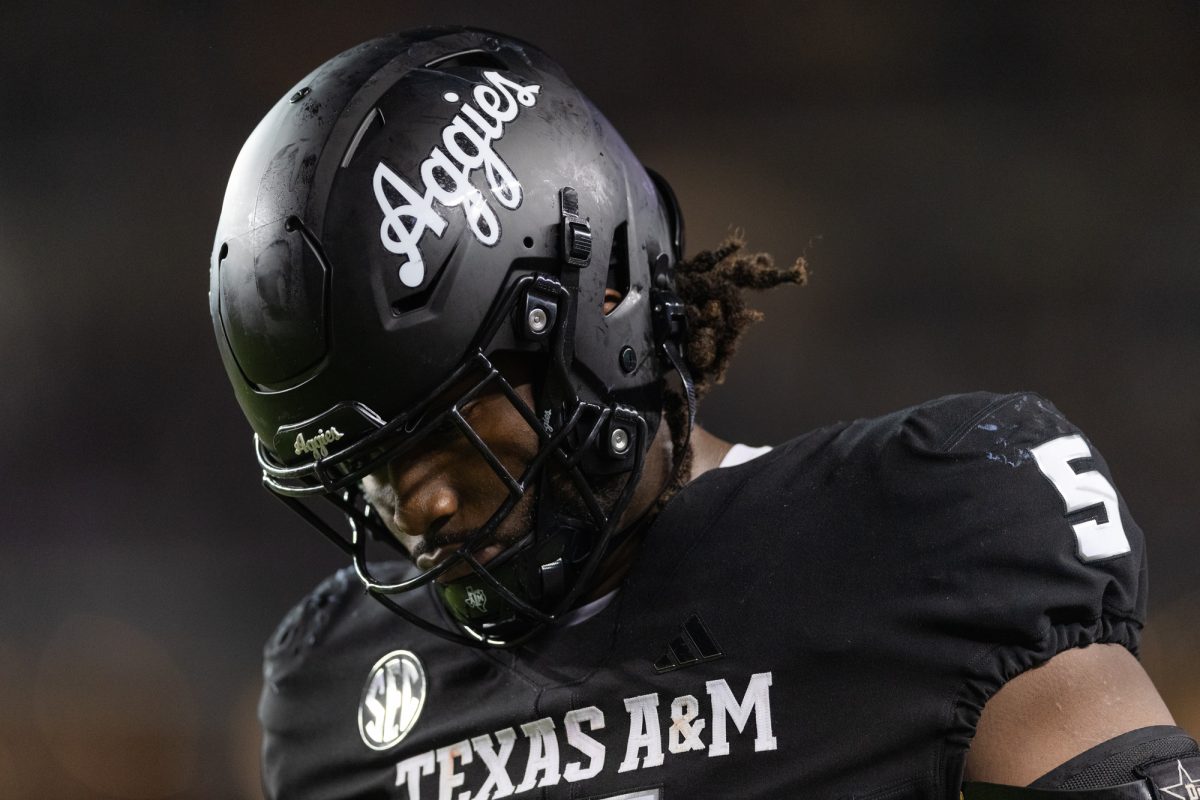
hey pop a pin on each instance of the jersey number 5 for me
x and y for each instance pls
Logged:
(1084, 490)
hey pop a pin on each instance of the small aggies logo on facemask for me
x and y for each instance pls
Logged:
(317, 445)
(446, 175)
(476, 599)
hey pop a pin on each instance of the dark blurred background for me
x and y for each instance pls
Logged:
(995, 195)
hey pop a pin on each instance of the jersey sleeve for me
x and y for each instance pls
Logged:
(1026, 547)
(314, 666)
(293, 709)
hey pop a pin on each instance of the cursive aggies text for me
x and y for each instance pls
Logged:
(446, 175)
(317, 445)
(644, 743)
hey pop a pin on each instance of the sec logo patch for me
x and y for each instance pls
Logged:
(391, 701)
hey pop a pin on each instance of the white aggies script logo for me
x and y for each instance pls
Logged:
(446, 175)
(391, 700)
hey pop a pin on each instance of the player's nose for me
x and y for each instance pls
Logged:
(425, 504)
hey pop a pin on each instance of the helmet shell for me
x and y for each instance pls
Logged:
(383, 205)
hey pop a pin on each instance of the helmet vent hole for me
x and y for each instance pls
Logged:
(527, 241)
(410, 303)
(417, 300)
(478, 59)
(224, 251)
(617, 283)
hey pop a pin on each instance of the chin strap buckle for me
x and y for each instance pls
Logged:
(670, 318)
(671, 332)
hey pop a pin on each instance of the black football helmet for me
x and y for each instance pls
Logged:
(411, 210)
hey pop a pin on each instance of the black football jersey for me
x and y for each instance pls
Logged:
(825, 621)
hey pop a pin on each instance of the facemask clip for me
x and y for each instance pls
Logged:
(576, 239)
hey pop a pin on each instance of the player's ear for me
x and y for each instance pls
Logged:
(616, 282)
(612, 298)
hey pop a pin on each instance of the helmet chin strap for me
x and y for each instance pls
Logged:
(689, 390)
(670, 321)
(670, 330)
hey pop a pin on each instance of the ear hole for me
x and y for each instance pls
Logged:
(616, 285)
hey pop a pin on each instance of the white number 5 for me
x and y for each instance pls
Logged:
(1080, 491)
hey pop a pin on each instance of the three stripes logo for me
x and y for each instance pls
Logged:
(693, 645)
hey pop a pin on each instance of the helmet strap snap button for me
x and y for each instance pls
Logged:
(628, 359)
(619, 441)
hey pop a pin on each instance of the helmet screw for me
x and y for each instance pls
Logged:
(537, 320)
(300, 95)
(628, 359)
(618, 440)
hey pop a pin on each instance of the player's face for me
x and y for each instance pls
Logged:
(437, 495)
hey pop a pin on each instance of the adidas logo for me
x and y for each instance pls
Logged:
(693, 645)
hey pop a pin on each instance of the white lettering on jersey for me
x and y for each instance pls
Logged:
(446, 176)
(644, 733)
(448, 779)
(756, 701)
(1083, 490)
(684, 735)
(410, 770)
(643, 745)
(543, 755)
(573, 723)
(496, 762)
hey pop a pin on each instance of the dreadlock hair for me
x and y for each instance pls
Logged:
(710, 285)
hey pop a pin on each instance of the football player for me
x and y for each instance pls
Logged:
(458, 315)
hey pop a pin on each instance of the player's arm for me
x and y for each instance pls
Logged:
(1032, 521)
(1089, 721)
